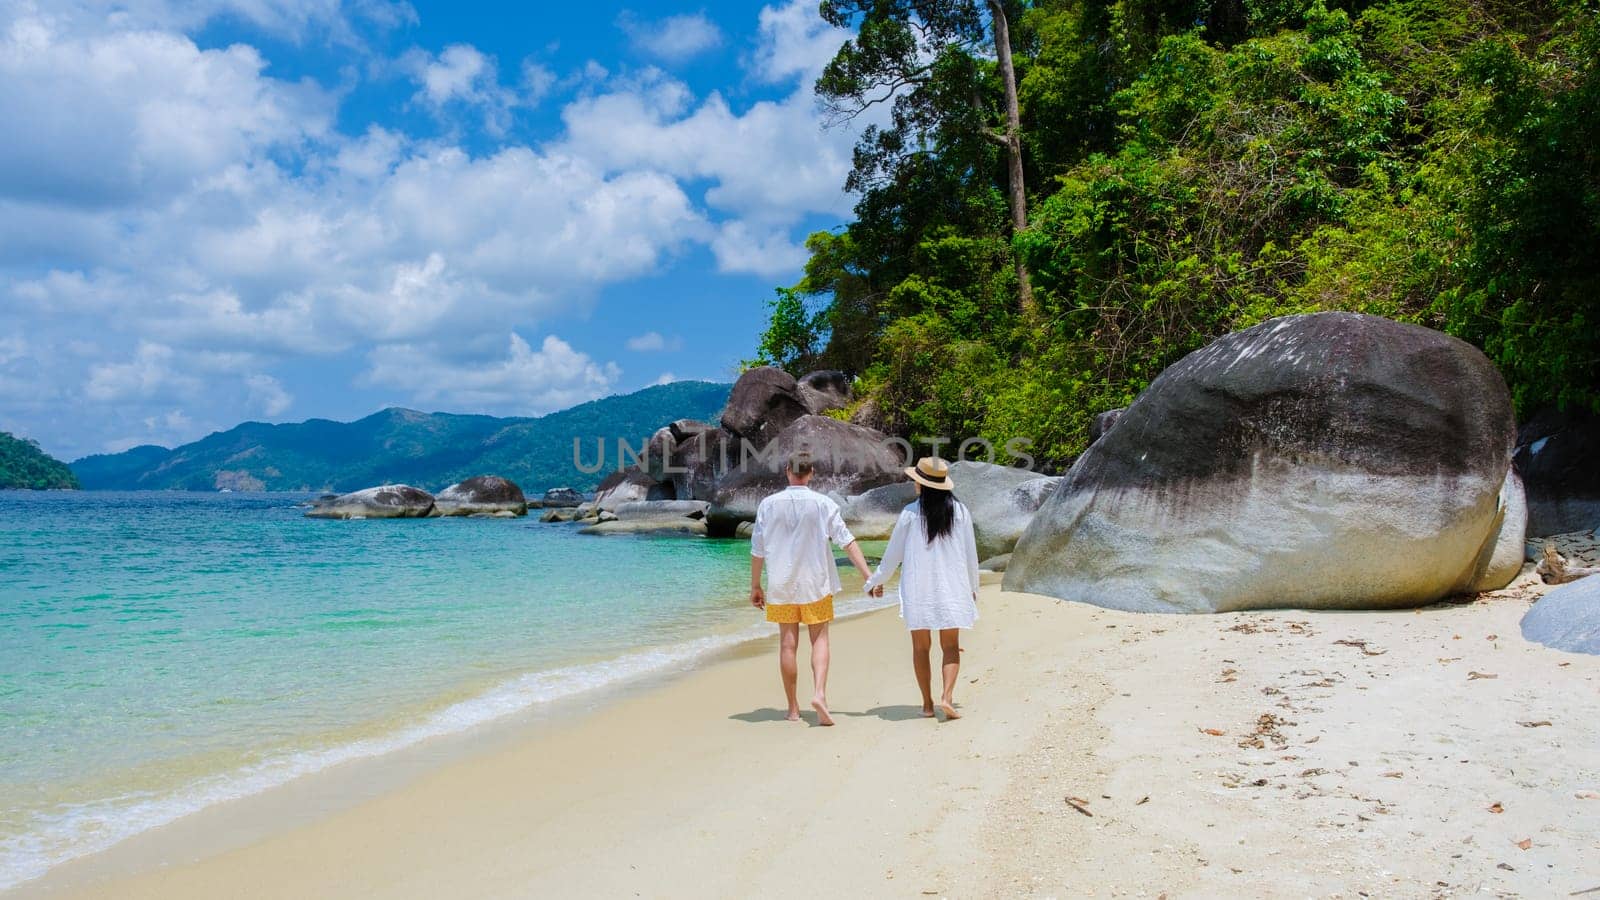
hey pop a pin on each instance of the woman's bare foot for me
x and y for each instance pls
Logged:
(927, 710)
(793, 716)
(949, 709)
(821, 706)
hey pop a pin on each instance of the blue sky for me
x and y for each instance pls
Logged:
(277, 209)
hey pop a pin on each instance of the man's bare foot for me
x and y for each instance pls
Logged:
(927, 711)
(821, 706)
(949, 709)
(793, 716)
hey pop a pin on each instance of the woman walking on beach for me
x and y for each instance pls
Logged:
(933, 540)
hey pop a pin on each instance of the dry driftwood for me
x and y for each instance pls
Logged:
(1554, 569)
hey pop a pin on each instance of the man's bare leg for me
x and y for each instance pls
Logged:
(950, 645)
(921, 644)
(788, 644)
(819, 672)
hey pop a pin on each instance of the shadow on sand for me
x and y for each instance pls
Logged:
(887, 713)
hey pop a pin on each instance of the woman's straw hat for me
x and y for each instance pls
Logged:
(932, 472)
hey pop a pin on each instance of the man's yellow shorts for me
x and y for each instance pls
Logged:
(802, 613)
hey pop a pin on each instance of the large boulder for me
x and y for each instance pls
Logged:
(849, 460)
(1558, 456)
(662, 509)
(1327, 461)
(871, 516)
(825, 389)
(763, 402)
(1567, 618)
(560, 497)
(390, 501)
(625, 486)
(483, 495)
(685, 459)
(1102, 423)
(1002, 500)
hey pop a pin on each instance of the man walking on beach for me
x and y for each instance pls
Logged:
(792, 531)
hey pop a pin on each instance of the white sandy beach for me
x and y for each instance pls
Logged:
(1281, 754)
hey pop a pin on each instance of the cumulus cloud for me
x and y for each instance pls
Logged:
(206, 222)
(665, 378)
(770, 163)
(138, 117)
(742, 248)
(794, 43)
(674, 38)
(523, 381)
(268, 396)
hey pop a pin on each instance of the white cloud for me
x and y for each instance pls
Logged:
(795, 43)
(268, 396)
(148, 374)
(138, 117)
(206, 222)
(665, 378)
(741, 248)
(674, 38)
(524, 381)
(652, 341)
(771, 163)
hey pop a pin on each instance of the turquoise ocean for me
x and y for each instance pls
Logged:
(163, 652)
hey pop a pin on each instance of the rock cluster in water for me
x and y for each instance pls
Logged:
(484, 495)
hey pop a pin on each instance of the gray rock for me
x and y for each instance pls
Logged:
(1580, 548)
(390, 501)
(763, 402)
(1557, 454)
(1327, 461)
(685, 458)
(623, 487)
(1002, 500)
(996, 563)
(657, 525)
(745, 530)
(662, 509)
(562, 514)
(562, 496)
(1567, 618)
(484, 494)
(1102, 423)
(871, 516)
(825, 389)
(849, 460)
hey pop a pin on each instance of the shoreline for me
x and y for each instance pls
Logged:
(1360, 734)
(451, 729)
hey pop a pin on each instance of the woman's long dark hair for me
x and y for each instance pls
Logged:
(938, 512)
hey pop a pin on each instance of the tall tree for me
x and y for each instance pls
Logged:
(923, 58)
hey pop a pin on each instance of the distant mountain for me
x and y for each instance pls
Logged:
(429, 450)
(24, 465)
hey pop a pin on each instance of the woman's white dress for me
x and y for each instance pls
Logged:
(940, 584)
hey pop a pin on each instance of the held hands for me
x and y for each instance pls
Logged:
(877, 591)
(758, 597)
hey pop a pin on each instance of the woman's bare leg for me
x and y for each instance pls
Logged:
(950, 646)
(921, 644)
(819, 672)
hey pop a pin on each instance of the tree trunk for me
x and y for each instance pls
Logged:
(1018, 193)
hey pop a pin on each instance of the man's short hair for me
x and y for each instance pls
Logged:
(800, 463)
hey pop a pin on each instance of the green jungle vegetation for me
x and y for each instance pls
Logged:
(1030, 250)
(24, 465)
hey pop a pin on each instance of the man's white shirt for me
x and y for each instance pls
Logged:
(792, 532)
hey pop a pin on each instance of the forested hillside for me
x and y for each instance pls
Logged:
(430, 450)
(1189, 168)
(24, 465)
